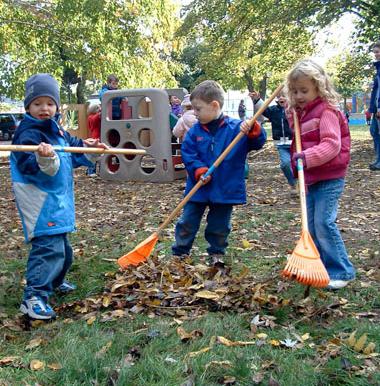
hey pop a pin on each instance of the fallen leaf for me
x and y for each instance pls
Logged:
(36, 365)
(359, 345)
(34, 343)
(224, 364)
(8, 360)
(196, 353)
(207, 295)
(370, 348)
(54, 366)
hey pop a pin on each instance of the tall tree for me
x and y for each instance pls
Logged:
(350, 72)
(88, 39)
(239, 47)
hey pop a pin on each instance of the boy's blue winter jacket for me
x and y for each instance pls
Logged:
(45, 203)
(201, 149)
(374, 104)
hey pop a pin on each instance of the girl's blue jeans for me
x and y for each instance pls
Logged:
(322, 208)
(285, 163)
(49, 260)
(216, 232)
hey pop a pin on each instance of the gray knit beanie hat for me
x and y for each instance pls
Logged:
(41, 85)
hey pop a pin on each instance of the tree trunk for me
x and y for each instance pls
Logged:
(80, 90)
(263, 86)
(249, 80)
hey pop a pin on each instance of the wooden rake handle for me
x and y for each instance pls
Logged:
(69, 149)
(301, 175)
(218, 160)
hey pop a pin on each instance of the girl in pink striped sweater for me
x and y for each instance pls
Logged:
(325, 139)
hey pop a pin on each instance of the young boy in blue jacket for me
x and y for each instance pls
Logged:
(44, 192)
(203, 144)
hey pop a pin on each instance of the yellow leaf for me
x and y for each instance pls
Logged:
(106, 301)
(207, 295)
(225, 341)
(359, 345)
(262, 336)
(196, 353)
(246, 244)
(91, 320)
(305, 337)
(351, 339)
(54, 366)
(370, 348)
(274, 342)
(36, 365)
(230, 343)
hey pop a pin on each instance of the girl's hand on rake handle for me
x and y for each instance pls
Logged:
(301, 156)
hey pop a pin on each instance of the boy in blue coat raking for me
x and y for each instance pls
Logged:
(44, 192)
(203, 144)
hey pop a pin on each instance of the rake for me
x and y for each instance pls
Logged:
(305, 264)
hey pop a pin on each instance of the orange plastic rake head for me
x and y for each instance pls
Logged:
(140, 253)
(305, 265)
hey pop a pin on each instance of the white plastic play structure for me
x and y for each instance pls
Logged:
(145, 124)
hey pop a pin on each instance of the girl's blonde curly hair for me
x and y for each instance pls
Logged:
(313, 71)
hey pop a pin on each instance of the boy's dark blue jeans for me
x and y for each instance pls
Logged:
(49, 260)
(217, 229)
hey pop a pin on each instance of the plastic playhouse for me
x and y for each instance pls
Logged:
(146, 123)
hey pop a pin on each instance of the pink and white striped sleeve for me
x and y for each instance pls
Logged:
(330, 141)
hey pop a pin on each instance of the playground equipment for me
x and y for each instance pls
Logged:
(144, 124)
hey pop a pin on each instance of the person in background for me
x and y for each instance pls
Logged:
(374, 108)
(347, 114)
(175, 105)
(43, 185)
(242, 110)
(325, 143)
(112, 84)
(94, 119)
(187, 120)
(367, 117)
(281, 134)
(203, 144)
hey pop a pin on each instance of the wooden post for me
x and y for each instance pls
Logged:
(74, 119)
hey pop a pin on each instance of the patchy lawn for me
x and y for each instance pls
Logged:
(171, 322)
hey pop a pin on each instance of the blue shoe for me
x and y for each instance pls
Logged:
(66, 287)
(37, 308)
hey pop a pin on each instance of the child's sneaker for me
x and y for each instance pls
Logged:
(216, 261)
(37, 308)
(66, 287)
(337, 284)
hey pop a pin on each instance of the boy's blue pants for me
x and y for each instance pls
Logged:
(217, 229)
(49, 260)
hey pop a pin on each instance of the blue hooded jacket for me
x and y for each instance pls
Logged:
(374, 104)
(45, 203)
(201, 148)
